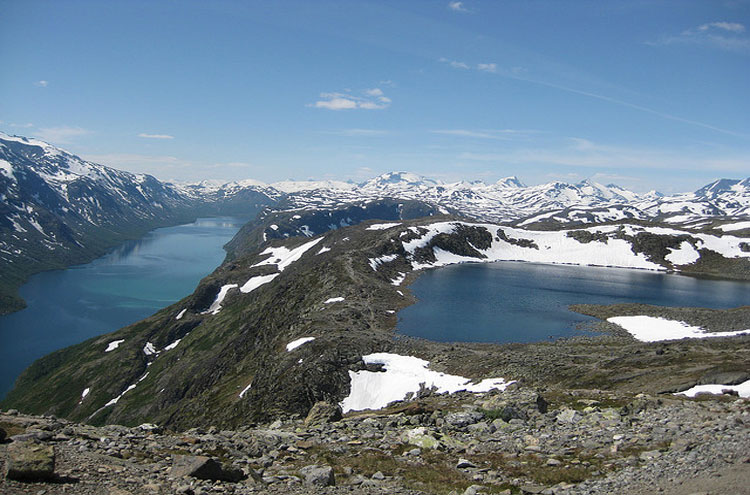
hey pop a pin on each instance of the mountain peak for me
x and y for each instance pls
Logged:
(511, 181)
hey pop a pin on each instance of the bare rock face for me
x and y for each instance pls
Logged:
(30, 461)
(323, 412)
(204, 468)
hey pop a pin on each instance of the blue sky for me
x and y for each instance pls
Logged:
(645, 94)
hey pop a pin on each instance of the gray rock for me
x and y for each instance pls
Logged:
(533, 489)
(463, 419)
(473, 490)
(465, 464)
(323, 412)
(204, 468)
(318, 475)
(724, 377)
(379, 476)
(30, 461)
(568, 416)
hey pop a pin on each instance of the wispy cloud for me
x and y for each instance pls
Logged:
(734, 27)
(522, 74)
(359, 132)
(155, 136)
(369, 99)
(23, 126)
(41, 84)
(583, 153)
(457, 7)
(61, 135)
(505, 134)
(454, 63)
(722, 35)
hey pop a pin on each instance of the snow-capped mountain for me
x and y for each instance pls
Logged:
(58, 209)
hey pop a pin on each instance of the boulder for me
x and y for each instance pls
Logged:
(420, 437)
(30, 461)
(318, 475)
(204, 468)
(323, 412)
(463, 419)
(569, 416)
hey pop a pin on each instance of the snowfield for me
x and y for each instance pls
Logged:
(652, 329)
(404, 374)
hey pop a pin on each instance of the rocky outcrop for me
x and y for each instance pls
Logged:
(578, 442)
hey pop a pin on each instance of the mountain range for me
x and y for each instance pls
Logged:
(58, 209)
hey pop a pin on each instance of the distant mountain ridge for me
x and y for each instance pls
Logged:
(509, 200)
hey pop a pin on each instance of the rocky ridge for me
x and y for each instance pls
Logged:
(223, 355)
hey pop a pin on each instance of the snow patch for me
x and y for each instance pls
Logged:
(653, 329)
(382, 226)
(743, 389)
(684, 255)
(85, 393)
(324, 250)
(296, 343)
(149, 349)
(735, 226)
(399, 280)
(256, 282)
(244, 390)
(376, 262)
(216, 305)
(113, 345)
(404, 374)
(282, 257)
(172, 345)
(180, 314)
(333, 300)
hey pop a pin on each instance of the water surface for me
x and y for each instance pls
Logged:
(525, 302)
(132, 282)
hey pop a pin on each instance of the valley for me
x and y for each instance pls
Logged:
(304, 309)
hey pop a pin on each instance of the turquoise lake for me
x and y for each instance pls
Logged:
(524, 302)
(133, 281)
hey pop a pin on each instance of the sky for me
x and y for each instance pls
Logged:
(647, 94)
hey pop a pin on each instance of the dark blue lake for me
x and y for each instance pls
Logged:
(525, 302)
(132, 282)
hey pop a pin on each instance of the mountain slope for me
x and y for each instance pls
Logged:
(58, 210)
(283, 322)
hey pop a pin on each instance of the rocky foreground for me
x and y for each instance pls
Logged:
(516, 441)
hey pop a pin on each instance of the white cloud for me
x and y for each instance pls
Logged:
(734, 27)
(722, 35)
(41, 84)
(454, 63)
(457, 6)
(155, 136)
(61, 135)
(370, 99)
(487, 67)
(24, 126)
